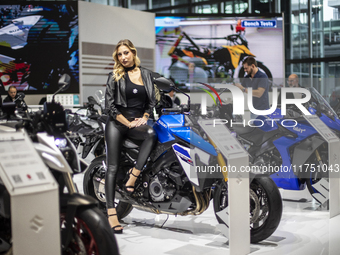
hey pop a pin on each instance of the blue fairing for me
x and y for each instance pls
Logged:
(165, 123)
(333, 124)
(168, 126)
(191, 137)
(276, 114)
(286, 178)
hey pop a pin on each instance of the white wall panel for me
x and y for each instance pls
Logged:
(100, 29)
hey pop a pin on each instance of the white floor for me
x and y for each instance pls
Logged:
(304, 229)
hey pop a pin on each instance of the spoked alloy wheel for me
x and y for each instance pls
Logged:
(94, 186)
(91, 234)
(265, 207)
(94, 181)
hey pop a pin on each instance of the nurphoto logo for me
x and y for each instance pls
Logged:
(238, 101)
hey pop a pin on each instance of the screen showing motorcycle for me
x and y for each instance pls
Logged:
(212, 49)
(38, 43)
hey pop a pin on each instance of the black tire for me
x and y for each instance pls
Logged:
(91, 233)
(269, 209)
(96, 170)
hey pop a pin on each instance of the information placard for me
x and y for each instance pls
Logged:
(223, 138)
(328, 189)
(236, 214)
(20, 162)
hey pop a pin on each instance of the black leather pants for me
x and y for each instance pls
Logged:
(115, 133)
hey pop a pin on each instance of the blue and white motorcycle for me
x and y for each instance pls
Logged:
(295, 157)
(169, 185)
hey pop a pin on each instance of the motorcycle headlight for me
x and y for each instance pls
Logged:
(60, 142)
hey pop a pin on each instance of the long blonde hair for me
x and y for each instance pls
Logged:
(118, 69)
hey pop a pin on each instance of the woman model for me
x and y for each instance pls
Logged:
(129, 101)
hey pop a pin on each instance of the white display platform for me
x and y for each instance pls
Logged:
(303, 229)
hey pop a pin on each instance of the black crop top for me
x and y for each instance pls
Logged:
(135, 94)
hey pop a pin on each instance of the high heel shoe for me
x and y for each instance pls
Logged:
(116, 231)
(130, 187)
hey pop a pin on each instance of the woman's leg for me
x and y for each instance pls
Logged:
(147, 134)
(113, 138)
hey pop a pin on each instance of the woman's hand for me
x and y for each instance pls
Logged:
(132, 124)
(140, 121)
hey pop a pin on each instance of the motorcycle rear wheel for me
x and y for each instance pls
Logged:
(265, 207)
(91, 233)
(95, 172)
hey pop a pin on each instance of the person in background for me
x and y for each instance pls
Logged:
(176, 102)
(129, 101)
(293, 82)
(258, 81)
(14, 97)
(12, 94)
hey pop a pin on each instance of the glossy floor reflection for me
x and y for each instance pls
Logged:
(304, 229)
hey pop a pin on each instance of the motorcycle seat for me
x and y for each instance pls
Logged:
(131, 144)
(241, 130)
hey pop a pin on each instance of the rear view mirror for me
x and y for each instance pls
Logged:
(64, 82)
(21, 95)
(92, 100)
(164, 84)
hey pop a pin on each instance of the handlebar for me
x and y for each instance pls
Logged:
(168, 110)
(182, 109)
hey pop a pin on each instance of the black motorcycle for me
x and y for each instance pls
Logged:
(84, 228)
(86, 129)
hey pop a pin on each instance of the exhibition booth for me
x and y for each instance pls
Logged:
(292, 210)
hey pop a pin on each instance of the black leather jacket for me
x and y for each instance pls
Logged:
(115, 93)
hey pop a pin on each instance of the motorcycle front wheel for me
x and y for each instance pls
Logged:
(91, 233)
(265, 207)
(94, 186)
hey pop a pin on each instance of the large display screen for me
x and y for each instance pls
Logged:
(38, 43)
(212, 49)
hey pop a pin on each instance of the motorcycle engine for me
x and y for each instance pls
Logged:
(270, 158)
(161, 187)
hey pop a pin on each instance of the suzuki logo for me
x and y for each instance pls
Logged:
(335, 156)
(36, 223)
(162, 123)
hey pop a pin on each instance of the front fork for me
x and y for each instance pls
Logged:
(74, 201)
(319, 159)
(71, 187)
(220, 160)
